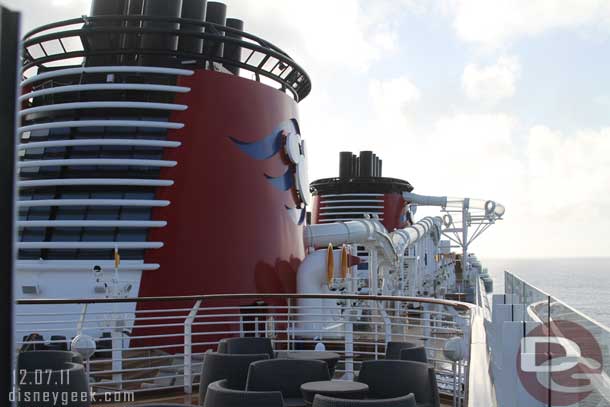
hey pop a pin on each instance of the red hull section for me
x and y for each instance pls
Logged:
(228, 228)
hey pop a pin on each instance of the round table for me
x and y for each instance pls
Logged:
(331, 358)
(344, 389)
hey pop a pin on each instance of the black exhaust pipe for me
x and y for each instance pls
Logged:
(374, 169)
(131, 42)
(217, 14)
(155, 42)
(366, 164)
(194, 10)
(105, 41)
(345, 164)
(232, 52)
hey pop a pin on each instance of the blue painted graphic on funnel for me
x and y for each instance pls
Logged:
(269, 145)
(283, 182)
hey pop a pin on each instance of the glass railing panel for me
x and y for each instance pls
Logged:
(583, 377)
(577, 366)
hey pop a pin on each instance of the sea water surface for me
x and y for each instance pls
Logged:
(582, 283)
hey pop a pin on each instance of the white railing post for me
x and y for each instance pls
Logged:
(455, 383)
(81, 320)
(427, 328)
(289, 329)
(188, 348)
(349, 342)
(116, 335)
(387, 322)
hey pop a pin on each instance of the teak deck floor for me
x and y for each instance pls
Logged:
(192, 400)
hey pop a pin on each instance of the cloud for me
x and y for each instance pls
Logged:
(33, 15)
(330, 35)
(474, 154)
(494, 23)
(567, 171)
(554, 186)
(566, 191)
(393, 99)
(491, 83)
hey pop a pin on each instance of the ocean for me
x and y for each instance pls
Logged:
(582, 283)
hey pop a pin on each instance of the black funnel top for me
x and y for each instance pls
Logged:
(192, 10)
(366, 165)
(359, 174)
(232, 52)
(216, 13)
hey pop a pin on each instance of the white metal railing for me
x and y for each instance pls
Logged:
(95, 181)
(99, 142)
(106, 69)
(102, 87)
(159, 343)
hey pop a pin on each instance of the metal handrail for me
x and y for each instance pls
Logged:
(296, 80)
(428, 300)
(168, 349)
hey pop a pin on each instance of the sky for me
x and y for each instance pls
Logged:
(495, 99)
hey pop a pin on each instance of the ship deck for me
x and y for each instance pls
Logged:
(190, 400)
(162, 358)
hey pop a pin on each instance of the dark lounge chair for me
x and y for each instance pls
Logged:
(219, 395)
(47, 359)
(392, 349)
(286, 376)
(246, 345)
(416, 354)
(233, 368)
(395, 378)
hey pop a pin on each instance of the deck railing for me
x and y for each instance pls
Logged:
(121, 40)
(158, 343)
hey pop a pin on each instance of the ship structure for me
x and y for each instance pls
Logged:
(164, 206)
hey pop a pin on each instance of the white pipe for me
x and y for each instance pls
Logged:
(319, 313)
(404, 238)
(363, 231)
(384, 251)
(107, 69)
(355, 231)
(424, 200)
